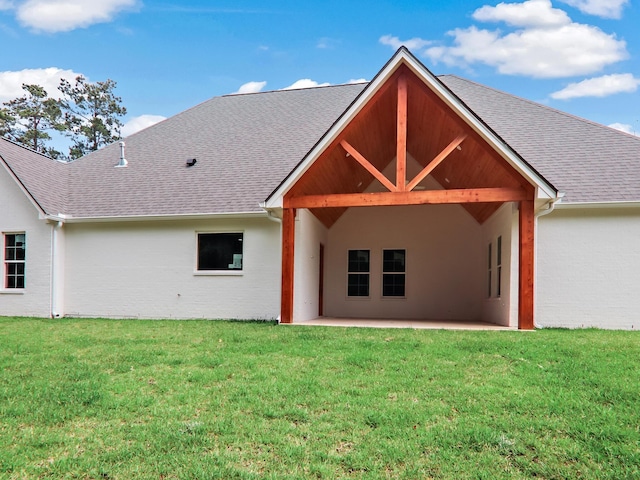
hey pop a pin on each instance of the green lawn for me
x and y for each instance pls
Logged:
(105, 399)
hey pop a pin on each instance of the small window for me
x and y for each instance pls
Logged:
(489, 267)
(220, 251)
(14, 260)
(393, 273)
(499, 267)
(358, 273)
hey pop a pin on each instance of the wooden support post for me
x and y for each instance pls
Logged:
(526, 260)
(401, 140)
(288, 243)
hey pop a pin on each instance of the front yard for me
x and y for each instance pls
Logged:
(106, 399)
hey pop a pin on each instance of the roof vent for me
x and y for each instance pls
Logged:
(191, 162)
(123, 161)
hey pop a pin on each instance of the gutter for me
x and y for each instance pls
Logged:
(551, 205)
(136, 218)
(611, 204)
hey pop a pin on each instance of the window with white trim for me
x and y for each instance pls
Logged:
(393, 273)
(358, 273)
(220, 251)
(14, 260)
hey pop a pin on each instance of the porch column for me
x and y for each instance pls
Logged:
(288, 242)
(526, 259)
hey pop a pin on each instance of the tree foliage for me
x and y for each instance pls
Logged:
(88, 113)
(91, 114)
(29, 118)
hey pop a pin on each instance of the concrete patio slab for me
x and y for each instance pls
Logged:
(415, 324)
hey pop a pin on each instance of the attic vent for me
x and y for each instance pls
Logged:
(191, 162)
(123, 161)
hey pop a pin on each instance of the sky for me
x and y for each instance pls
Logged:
(579, 56)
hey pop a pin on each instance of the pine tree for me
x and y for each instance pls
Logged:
(91, 114)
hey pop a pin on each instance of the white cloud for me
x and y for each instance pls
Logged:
(140, 123)
(305, 83)
(6, 5)
(549, 44)
(251, 87)
(65, 15)
(623, 127)
(48, 78)
(600, 8)
(357, 80)
(599, 87)
(532, 13)
(412, 44)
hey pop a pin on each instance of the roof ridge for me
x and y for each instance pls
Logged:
(542, 106)
(282, 90)
(22, 145)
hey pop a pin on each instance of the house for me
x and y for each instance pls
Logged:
(412, 196)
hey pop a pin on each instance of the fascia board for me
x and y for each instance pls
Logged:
(403, 56)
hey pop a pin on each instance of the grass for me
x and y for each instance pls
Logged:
(105, 399)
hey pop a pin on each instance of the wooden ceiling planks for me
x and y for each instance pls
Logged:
(432, 127)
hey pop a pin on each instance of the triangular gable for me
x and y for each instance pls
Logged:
(376, 140)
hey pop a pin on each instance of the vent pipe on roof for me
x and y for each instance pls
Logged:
(123, 161)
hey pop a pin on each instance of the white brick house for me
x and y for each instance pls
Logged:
(412, 196)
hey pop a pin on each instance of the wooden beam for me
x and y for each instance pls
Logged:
(401, 135)
(473, 195)
(436, 161)
(367, 165)
(526, 267)
(288, 243)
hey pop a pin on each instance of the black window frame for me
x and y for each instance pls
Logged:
(394, 274)
(358, 273)
(217, 252)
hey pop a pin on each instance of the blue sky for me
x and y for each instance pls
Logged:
(580, 56)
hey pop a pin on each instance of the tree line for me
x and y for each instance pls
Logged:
(87, 113)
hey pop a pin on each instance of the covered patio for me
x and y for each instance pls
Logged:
(407, 148)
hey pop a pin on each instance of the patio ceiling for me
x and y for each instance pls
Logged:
(444, 146)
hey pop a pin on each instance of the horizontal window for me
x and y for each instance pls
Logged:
(220, 251)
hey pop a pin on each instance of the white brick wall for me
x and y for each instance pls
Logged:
(18, 214)
(588, 268)
(147, 270)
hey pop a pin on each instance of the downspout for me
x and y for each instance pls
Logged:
(278, 220)
(551, 205)
(57, 271)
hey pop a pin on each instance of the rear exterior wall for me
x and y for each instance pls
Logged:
(148, 270)
(444, 262)
(588, 268)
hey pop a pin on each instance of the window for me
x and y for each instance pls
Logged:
(14, 260)
(358, 273)
(220, 251)
(499, 267)
(489, 266)
(393, 273)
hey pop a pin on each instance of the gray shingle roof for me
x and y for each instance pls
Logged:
(245, 145)
(45, 179)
